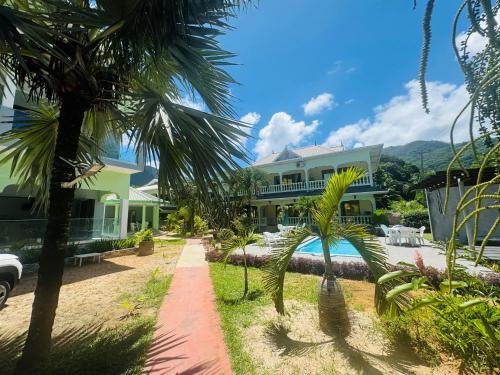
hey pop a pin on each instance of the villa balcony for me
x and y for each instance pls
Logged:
(306, 186)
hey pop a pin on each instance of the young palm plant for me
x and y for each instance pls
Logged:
(125, 65)
(331, 304)
(235, 243)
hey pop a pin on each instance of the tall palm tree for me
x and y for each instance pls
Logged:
(127, 63)
(331, 304)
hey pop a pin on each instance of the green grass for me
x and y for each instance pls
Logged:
(174, 241)
(236, 313)
(86, 350)
(428, 236)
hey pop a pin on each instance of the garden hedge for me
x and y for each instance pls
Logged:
(346, 270)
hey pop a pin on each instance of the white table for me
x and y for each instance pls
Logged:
(89, 255)
(400, 233)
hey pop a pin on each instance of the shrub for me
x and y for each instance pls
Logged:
(143, 235)
(471, 334)
(102, 246)
(415, 329)
(403, 206)
(200, 226)
(225, 234)
(380, 217)
(416, 219)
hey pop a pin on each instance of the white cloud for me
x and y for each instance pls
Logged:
(282, 130)
(251, 119)
(188, 102)
(319, 103)
(402, 119)
(476, 42)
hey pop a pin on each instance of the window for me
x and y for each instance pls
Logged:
(350, 208)
(292, 178)
(327, 173)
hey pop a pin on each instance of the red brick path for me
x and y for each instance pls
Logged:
(188, 339)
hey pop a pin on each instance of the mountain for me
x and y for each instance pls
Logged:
(436, 155)
(142, 178)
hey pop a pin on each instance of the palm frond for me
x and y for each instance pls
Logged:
(29, 148)
(327, 206)
(275, 268)
(375, 257)
(424, 56)
(189, 145)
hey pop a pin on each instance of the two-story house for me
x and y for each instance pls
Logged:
(91, 216)
(304, 171)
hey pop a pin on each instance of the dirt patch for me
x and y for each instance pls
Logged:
(90, 294)
(294, 344)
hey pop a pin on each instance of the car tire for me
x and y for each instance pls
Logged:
(4, 292)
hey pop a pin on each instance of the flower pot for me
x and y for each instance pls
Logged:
(146, 248)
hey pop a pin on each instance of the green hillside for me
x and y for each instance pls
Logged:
(436, 155)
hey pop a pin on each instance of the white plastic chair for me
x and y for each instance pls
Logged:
(420, 235)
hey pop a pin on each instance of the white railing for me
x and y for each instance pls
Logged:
(296, 220)
(306, 186)
(365, 180)
(362, 219)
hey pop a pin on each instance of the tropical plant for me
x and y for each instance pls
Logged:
(245, 183)
(331, 305)
(305, 206)
(236, 243)
(123, 66)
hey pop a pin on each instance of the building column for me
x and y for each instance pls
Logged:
(123, 208)
(281, 178)
(156, 217)
(306, 174)
(143, 222)
(258, 217)
(370, 173)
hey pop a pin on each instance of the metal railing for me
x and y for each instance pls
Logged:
(31, 232)
(307, 186)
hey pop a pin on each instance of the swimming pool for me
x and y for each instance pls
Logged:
(313, 247)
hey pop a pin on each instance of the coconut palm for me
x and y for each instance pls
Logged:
(124, 65)
(235, 243)
(331, 304)
(305, 206)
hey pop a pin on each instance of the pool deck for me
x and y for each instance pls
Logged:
(432, 255)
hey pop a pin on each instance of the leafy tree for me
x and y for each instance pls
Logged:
(332, 309)
(123, 65)
(245, 183)
(397, 177)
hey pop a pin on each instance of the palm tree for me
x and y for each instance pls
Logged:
(235, 243)
(125, 66)
(305, 206)
(332, 309)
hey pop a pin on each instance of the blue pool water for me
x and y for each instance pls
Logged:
(313, 247)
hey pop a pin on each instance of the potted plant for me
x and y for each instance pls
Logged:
(146, 243)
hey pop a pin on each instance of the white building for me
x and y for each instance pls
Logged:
(304, 171)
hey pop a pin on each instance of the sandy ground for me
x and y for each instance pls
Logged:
(90, 294)
(294, 344)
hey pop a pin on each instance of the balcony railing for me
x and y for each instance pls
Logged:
(361, 219)
(307, 186)
(261, 222)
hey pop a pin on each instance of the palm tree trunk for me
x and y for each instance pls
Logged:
(333, 318)
(246, 273)
(51, 269)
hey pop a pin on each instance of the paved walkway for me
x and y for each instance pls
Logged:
(188, 339)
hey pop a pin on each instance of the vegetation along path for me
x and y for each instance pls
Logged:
(188, 338)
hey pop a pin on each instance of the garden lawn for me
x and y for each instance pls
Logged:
(106, 315)
(260, 342)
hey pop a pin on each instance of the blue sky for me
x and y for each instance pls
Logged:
(361, 55)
